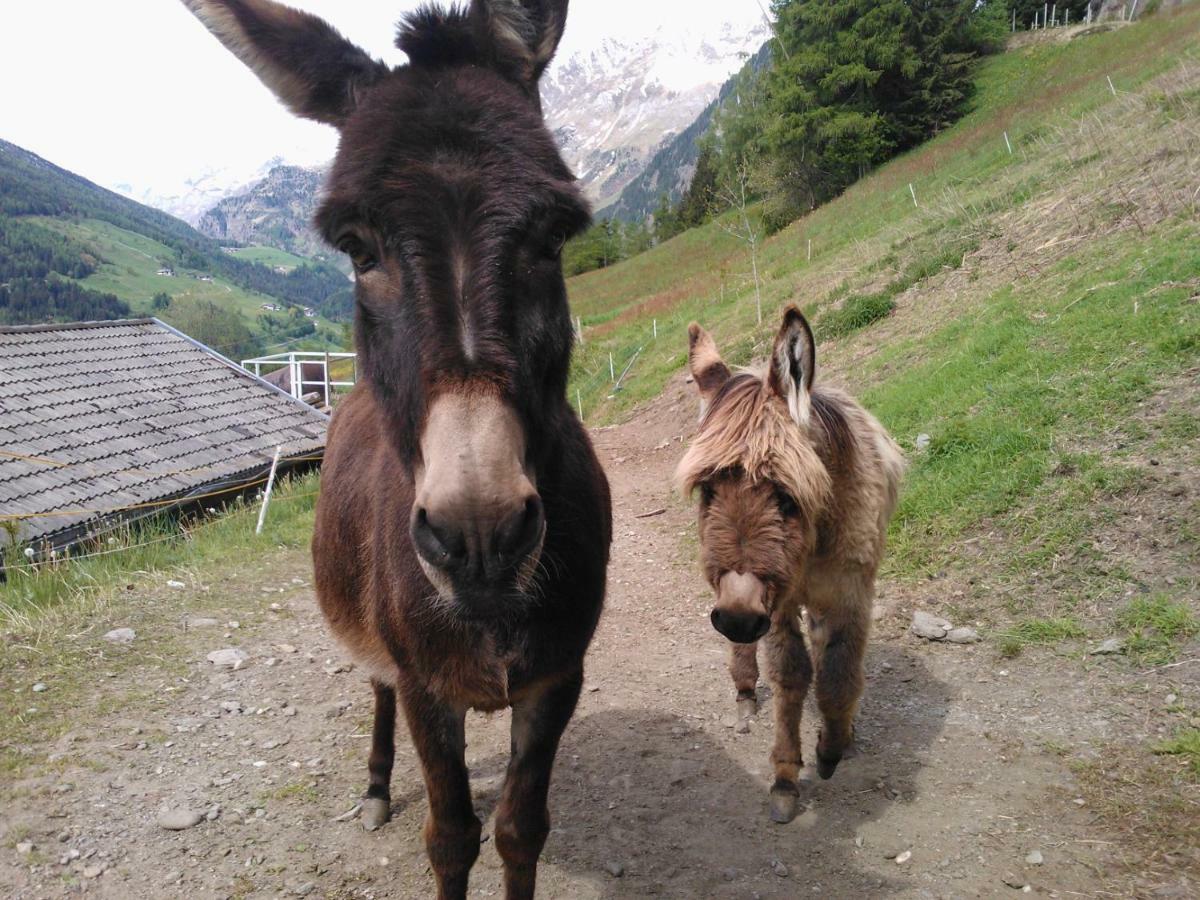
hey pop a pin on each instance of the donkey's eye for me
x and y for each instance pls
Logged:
(788, 507)
(360, 255)
(706, 494)
(555, 243)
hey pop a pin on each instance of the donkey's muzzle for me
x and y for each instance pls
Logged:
(739, 627)
(477, 551)
(741, 610)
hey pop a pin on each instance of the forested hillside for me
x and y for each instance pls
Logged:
(63, 242)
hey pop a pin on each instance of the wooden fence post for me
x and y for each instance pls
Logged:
(328, 393)
(262, 513)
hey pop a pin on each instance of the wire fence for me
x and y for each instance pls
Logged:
(611, 362)
(606, 369)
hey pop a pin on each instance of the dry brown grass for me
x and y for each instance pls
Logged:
(1154, 806)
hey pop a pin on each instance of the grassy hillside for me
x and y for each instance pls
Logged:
(1068, 131)
(131, 263)
(113, 246)
(269, 256)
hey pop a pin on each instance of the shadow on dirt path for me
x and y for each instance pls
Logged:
(663, 800)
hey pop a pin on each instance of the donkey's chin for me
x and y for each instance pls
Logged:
(483, 602)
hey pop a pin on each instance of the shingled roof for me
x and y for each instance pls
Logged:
(104, 419)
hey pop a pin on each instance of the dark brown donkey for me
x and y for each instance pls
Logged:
(464, 523)
(796, 489)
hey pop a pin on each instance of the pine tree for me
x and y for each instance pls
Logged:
(856, 81)
(666, 223)
(698, 204)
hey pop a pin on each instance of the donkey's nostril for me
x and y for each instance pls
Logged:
(439, 546)
(741, 628)
(520, 532)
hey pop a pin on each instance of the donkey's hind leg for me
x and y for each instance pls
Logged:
(743, 667)
(839, 638)
(790, 670)
(377, 804)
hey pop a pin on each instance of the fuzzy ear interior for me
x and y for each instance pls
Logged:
(311, 68)
(705, 363)
(793, 364)
(523, 34)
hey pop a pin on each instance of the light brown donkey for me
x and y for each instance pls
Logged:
(796, 489)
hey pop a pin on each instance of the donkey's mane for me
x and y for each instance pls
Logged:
(748, 427)
(434, 36)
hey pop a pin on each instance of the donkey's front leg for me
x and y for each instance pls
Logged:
(791, 671)
(522, 819)
(377, 803)
(743, 668)
(452, 829)
(839, 646)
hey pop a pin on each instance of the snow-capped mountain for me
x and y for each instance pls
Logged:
(278, 210)
(612, 104)
(192, 197)
(611, 108)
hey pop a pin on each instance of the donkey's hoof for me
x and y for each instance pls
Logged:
(827, 759)
(784, 807)
(827, 765)
(785, 800)
(375, 813)
(747, 707)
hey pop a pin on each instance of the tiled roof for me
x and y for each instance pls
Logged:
(103, 416)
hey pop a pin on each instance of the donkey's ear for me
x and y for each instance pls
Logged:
(315, 71)
(523, 34)
(705, 362)
(793, 364)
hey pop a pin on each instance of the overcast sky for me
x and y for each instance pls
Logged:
(138, 92)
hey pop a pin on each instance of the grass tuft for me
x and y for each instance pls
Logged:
(1185, 744)
(1156, 626)
(857, 312)
(1028, 632)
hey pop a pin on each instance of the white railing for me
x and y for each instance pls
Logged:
(308, 372)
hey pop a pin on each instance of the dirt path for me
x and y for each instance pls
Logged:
(655, 793)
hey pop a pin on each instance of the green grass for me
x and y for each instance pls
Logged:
(130, 270)
(997, 391)
(268, 256)
(1186, 745)
(1155, 627)
(303, 791)
(860, 310)
(158, 545)
(857, 312)
(1031, 632)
